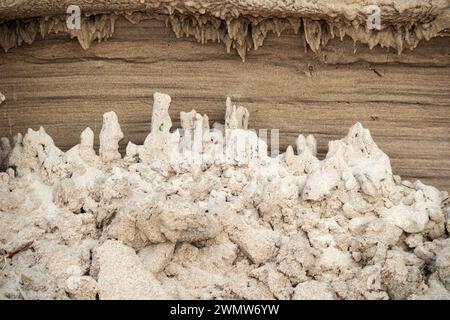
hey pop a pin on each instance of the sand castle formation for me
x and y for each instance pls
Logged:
(240, 25)
(82, 225)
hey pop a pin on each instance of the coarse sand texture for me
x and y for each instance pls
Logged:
(178, 218)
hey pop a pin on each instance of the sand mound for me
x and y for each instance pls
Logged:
(207, 214)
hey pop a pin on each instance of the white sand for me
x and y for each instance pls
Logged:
(163, 222)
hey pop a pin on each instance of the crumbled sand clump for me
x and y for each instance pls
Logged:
(207, 214)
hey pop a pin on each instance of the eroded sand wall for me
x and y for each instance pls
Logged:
(406, 105)
(239, 25)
